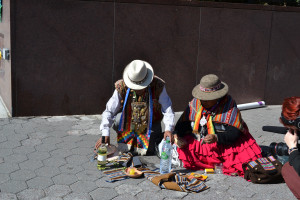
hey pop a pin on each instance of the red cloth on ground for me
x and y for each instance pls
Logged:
(197, 156)
(291, 178)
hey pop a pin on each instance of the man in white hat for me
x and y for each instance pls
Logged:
(143, 102)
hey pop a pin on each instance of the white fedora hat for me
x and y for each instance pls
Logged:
(138, 75)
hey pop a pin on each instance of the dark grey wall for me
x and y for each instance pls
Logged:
(68, 54)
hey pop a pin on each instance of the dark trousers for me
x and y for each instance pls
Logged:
(292, 179)
(155, 137)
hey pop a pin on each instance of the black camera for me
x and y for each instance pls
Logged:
(279, 149)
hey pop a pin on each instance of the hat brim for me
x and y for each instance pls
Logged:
(206, 96)
(146, 81)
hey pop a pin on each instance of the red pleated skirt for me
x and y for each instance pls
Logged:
(197, 156)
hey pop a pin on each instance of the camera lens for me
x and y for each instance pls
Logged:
(279, 149)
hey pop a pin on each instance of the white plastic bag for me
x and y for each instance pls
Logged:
(174, 153)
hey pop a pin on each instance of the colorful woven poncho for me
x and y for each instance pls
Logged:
(226, 113)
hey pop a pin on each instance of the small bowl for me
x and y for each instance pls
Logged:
(136, 174)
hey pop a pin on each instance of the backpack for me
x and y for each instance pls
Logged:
(263, 170)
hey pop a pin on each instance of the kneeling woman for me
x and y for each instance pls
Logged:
(211, 130)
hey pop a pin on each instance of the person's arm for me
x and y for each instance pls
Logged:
(294, 160)
(291, 140)
(166, 108)
(112, 108)
(183, 126)
(229, 135)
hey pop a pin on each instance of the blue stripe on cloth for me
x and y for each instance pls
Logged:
(121, 124)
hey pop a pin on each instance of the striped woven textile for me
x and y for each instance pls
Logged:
(115, 175)
(175, 181)
(226, 113)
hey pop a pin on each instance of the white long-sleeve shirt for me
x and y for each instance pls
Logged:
(114, 103)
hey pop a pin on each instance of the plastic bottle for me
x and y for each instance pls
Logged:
(166, 157)
(102, 155)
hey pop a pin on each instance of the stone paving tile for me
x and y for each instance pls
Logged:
(10, 144)
(52, 140)
(102, 193)
(10, 128)
(133, 181)
(71, 138)
(61, 152)
(38, 135)
(3, 138)
(24, 150)
(149, 195)
(15, 158)
(54, 162)
(127, 197)
(7, 196)
(66, 145)
(39, 182)
(70, 169)
(4, 178)
(75, 133)
(173, 194)
(46, 147)
(86, 144)
(13, 186)
(77, 159)
(45, 128)
(31, 194)
(26, 129)
(84, 151)
(31, 164)
(83, 186)
(17, 137)
(31, 142)
(101, 183)
(47, 171)
(58, 190)
(52, 198)
(22, 175)
(6, 152)
(65, 179)
(149, 186)
(89, 165)
(7, 168)
(89, 175)
(39, 155)
(128, 189)
(95, 131)
(58, 133)
(79, 196)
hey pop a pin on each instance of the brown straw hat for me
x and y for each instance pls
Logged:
(210, 88)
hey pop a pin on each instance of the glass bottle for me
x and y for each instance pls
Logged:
(102, 155)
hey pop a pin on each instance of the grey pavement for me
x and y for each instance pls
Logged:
(49, 158)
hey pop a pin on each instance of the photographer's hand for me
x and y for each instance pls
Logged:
(291, 139)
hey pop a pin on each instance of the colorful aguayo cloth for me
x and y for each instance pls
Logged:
(199, 156)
